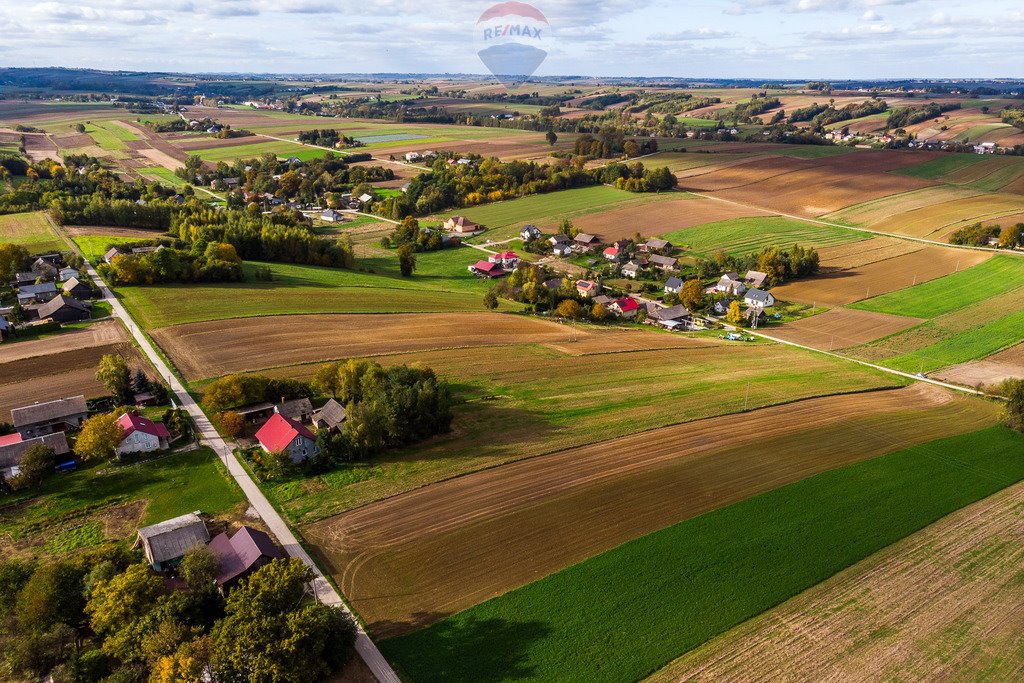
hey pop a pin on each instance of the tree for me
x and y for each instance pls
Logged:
(734, 315)
(37, 463)
(116, 376)
(13, 258)
(569, 309)
(1013, 389)
(325, 380)
(406, 260)
(692, 295)
(552, 137)
(599, 312)
(1012, 236)
(141, 382)
(199, 567)
(490, 300)
(270, 634)
(52, 595)
(99, 437)
(119, 609)
(189, 664)
(14, 574)
(17, 314)
(232, 423)
(771, 262)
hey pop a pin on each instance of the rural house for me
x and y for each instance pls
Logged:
(529, 232)
(165, 543)
(631, 269)
(461, 225)
(68, 273)
(506, 259)
(673, 317)
(40, 419)
(587, 289)
(242, 554)
(759, 298)
(655, 245)
(329, 417)
(36, 294)
(77, 289)
(255, 412)
(412, 156)
(44, 269)
(755, 278)
(282, 435)
(674, 285)
(13, 448)
(141, 435)
(332, 216)
(64, 309)
(626, 307)
(612, 253)
(111, 254)
(586, 241)
(664, 263)
(300, 409)
(730, 284)
(486, 269)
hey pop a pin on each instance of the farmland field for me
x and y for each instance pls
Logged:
(446, 547)
(843, 327)
(30, 230)
(938, 220)
(251, 151)
(543, 399)
(746, 235)
(163, 175)
(988, 372)
(867, 214)
(941, 166)
(657, 218)
(677, 588)
(884, 619)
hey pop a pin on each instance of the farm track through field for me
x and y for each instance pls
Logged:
(944, 604)
(414, 558)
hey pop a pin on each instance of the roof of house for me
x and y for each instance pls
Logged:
(51, 410)
(530, 229)
(559, 238)
(756, 276)
(43, 264)
(295, 408)
(655, 243)
(603, 299)
(59, 302)
(585, 284)
(332, 413)
(111, 253)
(663, 260)
(627, 303)
(279, 431)
(13, 447)
(632, 265)
(486, 266)
(265, 406)
(676, 312)
(461, 221)
(172, 538)
(133, 422)
(240, 552)
(730, 276)
(611, 251)
(73, 282)
(42, 288)
(757, 295)
(674, 282)
(585, 238)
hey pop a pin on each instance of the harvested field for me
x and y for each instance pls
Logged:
(988, 372)
(30, 230)
(843, 327)
(161, 158)
(193, 143)
(942, 604)
(108, 231)
(39, 147)
(742, 175)
(210, 349)
(58, 375)
(102, 333)
(868, 214)
(657, 218)
(413, 559)
(888, 275)
(859, 254)
(936, 220)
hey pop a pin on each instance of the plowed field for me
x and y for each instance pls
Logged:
(843, 327)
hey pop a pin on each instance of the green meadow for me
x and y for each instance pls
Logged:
(746, 235)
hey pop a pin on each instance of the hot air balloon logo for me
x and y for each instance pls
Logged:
(511, 38)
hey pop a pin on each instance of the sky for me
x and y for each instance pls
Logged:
(799, 39)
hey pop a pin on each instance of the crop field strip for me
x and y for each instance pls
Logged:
(656, 218)
(30, 230)
(446, 547)
(542, 400)
(669, 592)
(935, 222)
(842, 328)
(989, 371)
(945, 600)
(867, 214)
(743, 236)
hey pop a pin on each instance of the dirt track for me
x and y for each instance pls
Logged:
(943, 604)
(414, 558)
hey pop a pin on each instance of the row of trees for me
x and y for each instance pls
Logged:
(978, 235)
(611, 142)
(102, 615)
(780, 265)
(901, 117)
(218, 262)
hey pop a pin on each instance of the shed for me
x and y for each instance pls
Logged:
(330, 416)
(164, 544)
(65, 310)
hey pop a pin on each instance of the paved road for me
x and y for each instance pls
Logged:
(324, 590)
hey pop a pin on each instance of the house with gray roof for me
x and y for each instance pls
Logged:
(330, 416)
(666, 263)
(39, 419)
(671, 317)
(64, 309)
(13, 448)
(300, 409)
(36, 294)
(654, 245)
(43, 268)
(78, 289)
(674, 285)
(759, 298)
(165, 543)
(755, 278)
(631, 269)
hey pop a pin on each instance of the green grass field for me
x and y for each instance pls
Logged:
(998, 275)
(281, 148)
(941, 166)
(171, 486)
(162, 175)
(625, 613)
(745, 235)
(93, 247)
(962, 347)
(308, 289)
(30, 230)
(814, 151)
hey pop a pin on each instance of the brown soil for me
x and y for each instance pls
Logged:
(108, 231)
(943, 604)
(988, 372)
(843, 327)
(39, 147)
(102, 333)
(412, 559)
(657, 218)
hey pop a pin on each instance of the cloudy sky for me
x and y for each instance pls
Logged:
(701, 38)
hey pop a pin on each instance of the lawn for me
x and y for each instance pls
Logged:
(941, 166)
(998, 275)
(746, 235)
(62, 508)
(625, 613)
(814, 151)
(163, 175)
(30, 230)
(309, 289)
(93, 247)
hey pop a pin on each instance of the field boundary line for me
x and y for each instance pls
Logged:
(323, 591)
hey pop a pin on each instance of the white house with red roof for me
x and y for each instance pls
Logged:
(506, 259)
(280, 434)
(626, 307)
(141, 435)
(613, 253)
(487, 269)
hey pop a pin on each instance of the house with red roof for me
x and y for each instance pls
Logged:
(613, 253)
(280, 434)
(141, 435)
(487, 269)
(242, 554)
(506, 259)
(626, 307)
